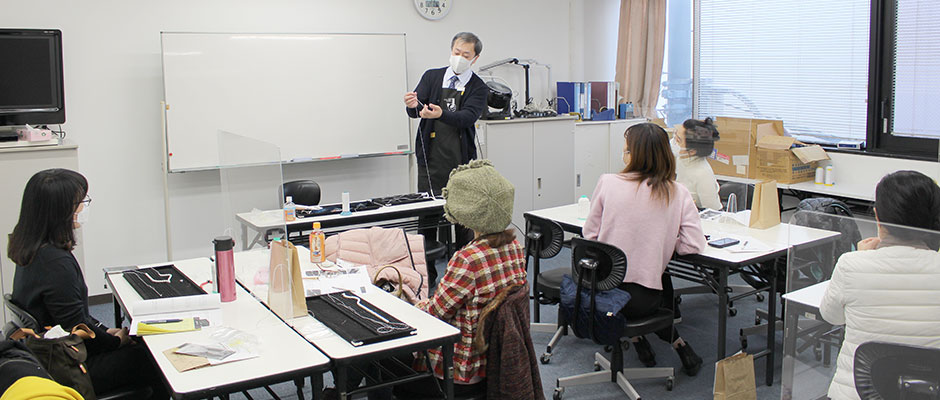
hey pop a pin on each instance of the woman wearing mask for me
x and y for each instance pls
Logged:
(695, 141)
(889, 290)
(49, 284)
(646, 214)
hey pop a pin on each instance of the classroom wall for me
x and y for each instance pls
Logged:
(601, 19)
(113, 89)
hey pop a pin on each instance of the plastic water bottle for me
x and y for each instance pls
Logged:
(584, 207)
(317, 244)
(290, 210)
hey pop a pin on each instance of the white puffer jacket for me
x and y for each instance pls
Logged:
(890, 294)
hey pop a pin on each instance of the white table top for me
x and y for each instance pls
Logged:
(808, 296)
(776, 238)
(275, 218)
(281, 351)
(428, 327)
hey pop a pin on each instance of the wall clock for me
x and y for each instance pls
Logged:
(434, 9)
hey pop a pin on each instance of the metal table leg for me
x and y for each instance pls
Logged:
(722, 310)
(447, 351)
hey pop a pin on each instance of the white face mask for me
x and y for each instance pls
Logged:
(81, 217)
(459, 64)
(674, 145)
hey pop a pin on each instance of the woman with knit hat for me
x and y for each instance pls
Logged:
(480, 199)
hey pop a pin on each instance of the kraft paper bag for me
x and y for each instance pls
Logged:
(286, 287)
(734, 378)
(765, 207)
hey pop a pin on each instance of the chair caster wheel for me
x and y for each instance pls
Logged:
(608, 348)
(732, 312)
(625, 345)
(670, 384)
(545, 358)
(818, 354)
(597, 367)
(743, 343)
(760, 297)
(558, 393)
(678, 300)
(757, 321)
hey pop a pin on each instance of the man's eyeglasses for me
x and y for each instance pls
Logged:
(86, 201)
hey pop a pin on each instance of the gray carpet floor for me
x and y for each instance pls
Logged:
(575, 356)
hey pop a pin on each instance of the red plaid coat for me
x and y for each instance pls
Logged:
(474, 276)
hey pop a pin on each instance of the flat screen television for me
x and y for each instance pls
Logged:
(31, 87)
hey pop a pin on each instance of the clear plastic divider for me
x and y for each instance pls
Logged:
(252, 210)
(820, 244)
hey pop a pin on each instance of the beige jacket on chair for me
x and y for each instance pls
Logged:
(377, 247)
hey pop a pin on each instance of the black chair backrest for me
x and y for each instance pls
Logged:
(597, 267)
(897, 371)
(304, 192)
(546, 234)
(20, 317)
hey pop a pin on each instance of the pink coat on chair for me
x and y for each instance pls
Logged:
(377, 247)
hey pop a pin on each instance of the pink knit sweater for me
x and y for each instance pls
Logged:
(624, 214)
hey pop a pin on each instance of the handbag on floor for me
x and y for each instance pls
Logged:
(64, 357)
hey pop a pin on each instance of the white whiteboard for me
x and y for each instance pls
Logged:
(315, 96)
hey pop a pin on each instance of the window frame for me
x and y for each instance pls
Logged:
(880, 87)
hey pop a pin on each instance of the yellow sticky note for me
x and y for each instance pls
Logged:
(183, 325)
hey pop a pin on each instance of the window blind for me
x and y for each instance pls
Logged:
(805, 63)
(916, 86)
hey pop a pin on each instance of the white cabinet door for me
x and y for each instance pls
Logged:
(509, 147)
(590, 156)
(617, 130)
(554, 163)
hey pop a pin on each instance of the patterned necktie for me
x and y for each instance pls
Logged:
(453, 82)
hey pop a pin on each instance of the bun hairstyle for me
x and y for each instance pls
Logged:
(909, 198)
(700, 136)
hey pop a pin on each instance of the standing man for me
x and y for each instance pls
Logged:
(449, 101)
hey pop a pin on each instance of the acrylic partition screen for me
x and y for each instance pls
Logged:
(840, 294)
(250, 175)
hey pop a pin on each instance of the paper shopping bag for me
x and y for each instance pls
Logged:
(286, 287)
(765, 207)
(734, 378)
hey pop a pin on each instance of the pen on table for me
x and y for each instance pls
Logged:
(743, 245)
(162, 321)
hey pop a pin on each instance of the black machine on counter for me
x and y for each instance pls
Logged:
(499, 99)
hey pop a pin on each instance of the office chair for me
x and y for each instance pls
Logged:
(896, 371)
(23, 319)
(304, 192)
(544, 239)
(598, 267)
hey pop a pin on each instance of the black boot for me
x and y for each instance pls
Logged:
(691, 362)
(644, 352)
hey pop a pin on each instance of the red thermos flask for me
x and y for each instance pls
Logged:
(224, 267)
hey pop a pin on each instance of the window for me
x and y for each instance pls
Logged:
(905, 78)
(675, 96)
(805, 63)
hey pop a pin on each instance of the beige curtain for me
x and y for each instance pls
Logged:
(641, 42)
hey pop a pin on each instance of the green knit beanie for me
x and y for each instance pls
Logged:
(479, 198)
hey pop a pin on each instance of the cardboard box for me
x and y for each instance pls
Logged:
(786, 160)
(734, 153)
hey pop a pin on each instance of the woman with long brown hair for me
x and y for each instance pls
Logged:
(645, 213)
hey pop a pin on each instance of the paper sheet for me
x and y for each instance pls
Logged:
(348, 277)
(174, 304)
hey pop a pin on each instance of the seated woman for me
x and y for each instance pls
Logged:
(480, 199)
(695, 140)
(646, 214)
(889, 290)
(49, 284)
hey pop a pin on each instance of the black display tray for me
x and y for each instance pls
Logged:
(343, 312)
(160, 287)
